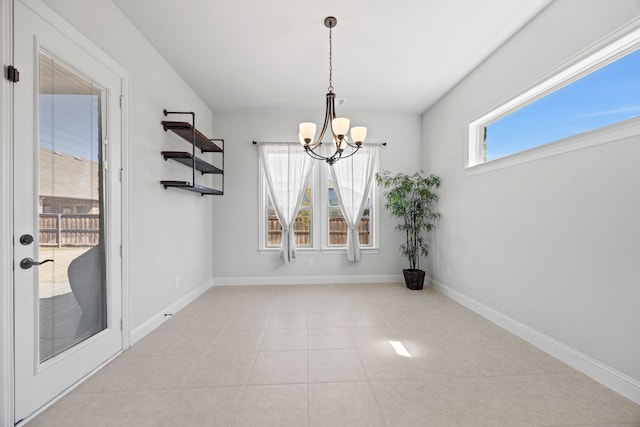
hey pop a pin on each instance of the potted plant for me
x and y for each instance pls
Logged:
(410, 197)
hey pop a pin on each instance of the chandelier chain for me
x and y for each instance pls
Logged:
(330, 62)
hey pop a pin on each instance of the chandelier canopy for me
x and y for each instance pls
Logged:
(339, 126)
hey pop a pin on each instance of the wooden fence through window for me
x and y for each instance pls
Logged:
(69, 229)
(337, 232)
(84, 230)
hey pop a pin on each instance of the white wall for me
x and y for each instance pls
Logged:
(553, 243)
(235, 244)
(170, 229)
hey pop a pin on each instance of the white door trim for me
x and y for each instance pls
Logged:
(6, 216)
(6, 186)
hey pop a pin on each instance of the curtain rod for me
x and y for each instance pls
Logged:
(384, 144)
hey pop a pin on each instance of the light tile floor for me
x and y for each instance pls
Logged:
(323, 356)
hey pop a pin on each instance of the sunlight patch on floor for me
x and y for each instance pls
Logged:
(399, 349)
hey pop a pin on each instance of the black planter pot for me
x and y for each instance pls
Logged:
(414, 279)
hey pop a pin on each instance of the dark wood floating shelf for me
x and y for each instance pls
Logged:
(186, 185)
(184, 130)
(193, 136)
(186, 159)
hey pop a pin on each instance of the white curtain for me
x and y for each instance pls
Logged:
(286, 168)
(352, 179)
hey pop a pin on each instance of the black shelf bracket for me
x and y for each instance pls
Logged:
(195, 163)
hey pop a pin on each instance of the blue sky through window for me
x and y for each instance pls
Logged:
(606, 96)
(69, 124)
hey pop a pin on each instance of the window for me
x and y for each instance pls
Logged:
(597, 92)
(336, 224)
(303, 225)
(320, 223)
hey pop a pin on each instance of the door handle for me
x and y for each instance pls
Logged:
(27, 263)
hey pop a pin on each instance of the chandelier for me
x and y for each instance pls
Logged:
(339, 126)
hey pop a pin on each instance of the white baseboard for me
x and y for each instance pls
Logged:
(159, 318)
(306, 280)
(609, 377)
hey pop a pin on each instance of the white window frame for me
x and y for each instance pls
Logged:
(613, 51)
(319, 208)
(263, 193)
(324, 206)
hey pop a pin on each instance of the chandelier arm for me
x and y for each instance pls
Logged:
(351, 144)
(336, 156)
(330, 115)
(351, 154)
(331, 159)
(327, 119)
(313, 154)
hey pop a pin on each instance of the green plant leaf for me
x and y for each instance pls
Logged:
(410, 198)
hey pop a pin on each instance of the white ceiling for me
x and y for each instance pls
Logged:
(272, 55)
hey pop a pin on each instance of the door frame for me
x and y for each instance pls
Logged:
(6, 216)
(6, 190)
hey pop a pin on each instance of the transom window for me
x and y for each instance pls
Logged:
(597, 92)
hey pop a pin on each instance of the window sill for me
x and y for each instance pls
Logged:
(615, 132)
(276, 251)
(330, 250)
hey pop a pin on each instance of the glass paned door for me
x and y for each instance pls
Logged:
(71, 288)
(67, 198)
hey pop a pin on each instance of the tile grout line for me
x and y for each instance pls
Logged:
(246, 385)
(206, 353)
(375, 397)
(308, 374)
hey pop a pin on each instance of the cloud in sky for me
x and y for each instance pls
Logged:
(635, 109)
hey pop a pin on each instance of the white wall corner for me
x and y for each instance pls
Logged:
(609, 377)
(307, 280)
(162, 316)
